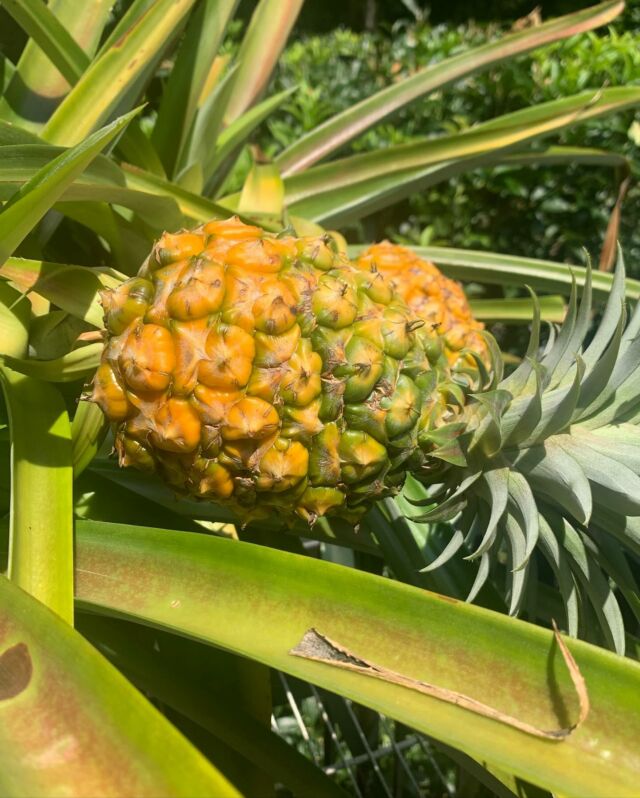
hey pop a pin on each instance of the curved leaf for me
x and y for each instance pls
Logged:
(34, 199)
(259, 602)
(340, 129)
(80, 740)
(114, 72)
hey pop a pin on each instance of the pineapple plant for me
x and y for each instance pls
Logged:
(294, 390)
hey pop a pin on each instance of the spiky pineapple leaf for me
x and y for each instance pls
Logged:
(560, 454)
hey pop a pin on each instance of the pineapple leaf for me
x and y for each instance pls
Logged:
(41, 519)
(235, 135)
(115, 72)
(117, 736)
(183, 88)
(64, 37)
(74, 289)
(349, 186)
(51, 36)
(75, 365)
(36, 197)
(436, 636)
(340, 129)
(263, 42)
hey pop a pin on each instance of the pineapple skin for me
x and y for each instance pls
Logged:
(271, 375)
(437, 299)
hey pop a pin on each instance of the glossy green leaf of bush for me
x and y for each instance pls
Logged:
(259, 602)
(71, 724)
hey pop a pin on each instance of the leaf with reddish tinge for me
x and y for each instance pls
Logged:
(71, 725)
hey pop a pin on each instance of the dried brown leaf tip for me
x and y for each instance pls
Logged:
(318, 647)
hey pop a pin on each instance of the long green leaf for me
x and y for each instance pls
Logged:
(511, 311)
(264, 40)
(131, 648)
(71, 725)
(103, 181)
(41, 542)
(35, 198)
(73, 366)
(15, 316)
(180, 98)
(259, 602)
(72, 288)
(338, 182)
(53, 38)
(340, 129)
(234, 137)
(64, 37)
(111, 76)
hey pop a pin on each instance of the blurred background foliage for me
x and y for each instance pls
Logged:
(545, 212)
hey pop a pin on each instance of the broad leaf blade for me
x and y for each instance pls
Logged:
(216, 591)
(89, 731)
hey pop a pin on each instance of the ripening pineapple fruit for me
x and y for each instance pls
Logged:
(271, 374)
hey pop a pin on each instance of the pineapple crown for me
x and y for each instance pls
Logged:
(549, 461)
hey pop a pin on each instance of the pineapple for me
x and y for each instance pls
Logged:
(441, 302)
(270, 374)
